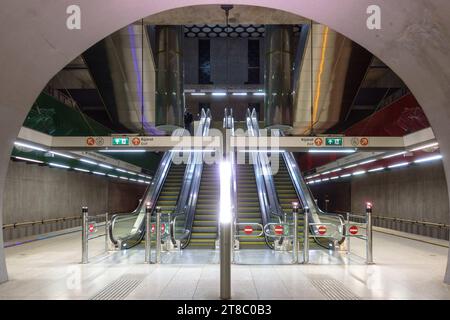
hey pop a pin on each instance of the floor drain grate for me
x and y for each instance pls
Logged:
(334, 289)
(118, 289)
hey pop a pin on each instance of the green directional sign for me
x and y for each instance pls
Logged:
(334, 142)
(120, 141)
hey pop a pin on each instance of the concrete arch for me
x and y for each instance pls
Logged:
(414, 41)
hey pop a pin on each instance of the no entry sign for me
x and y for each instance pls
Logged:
(153, 227)
(279, 229)
(322, 230)
(163, 228)
(248, 230)
(353, 230)
(91, 228)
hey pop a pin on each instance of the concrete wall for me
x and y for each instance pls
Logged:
(417, 193)
(36, 192)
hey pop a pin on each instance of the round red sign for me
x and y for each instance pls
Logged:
(90, 141)
(248, 230)
(318, 142)
(153, 227)
(136, 141)
(353, 230)
(322, 229)
(91, 228)
(163, 228)
(278, 229)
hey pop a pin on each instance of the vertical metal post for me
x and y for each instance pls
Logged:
(369, 255)
(306, 236)
(158, 234)
(148, 234)
(107, 240)
(347, 237)
(84, 235)
(295, 243)
(225, 261)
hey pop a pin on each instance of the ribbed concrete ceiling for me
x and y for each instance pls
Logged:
(253, 31)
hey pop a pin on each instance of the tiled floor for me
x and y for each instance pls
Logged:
(50, 269)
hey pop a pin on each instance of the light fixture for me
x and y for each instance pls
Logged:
(219, 94)
(259, 93)
(105, 166)
(88, 161)
(366, 162)
(350, 166)
(331, 150)
(112, 176)
(336, 170)
(346, 175)
(427, 159)
(62, 155)
(430, 145)
(239, 93)
(198, 94)
(402, 164)
(99, 173)
(123, 178)
(326, 179)
(27, 159)
(121, 170)
(394, 155)
(132, 173)
(358, 173)
(193, 150)
(376, 169)
(121, 150)
(334, 178)
(263, 151)
(29, 146)
(133, 180)
(81, 170)
(325, 173)
(59, 165)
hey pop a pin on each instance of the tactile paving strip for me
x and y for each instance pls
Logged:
(119, 289)
(334, 289)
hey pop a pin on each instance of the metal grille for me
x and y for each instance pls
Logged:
(334, 289)
(119, 289)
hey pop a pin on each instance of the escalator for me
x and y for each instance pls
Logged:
(248, 208)
(204, 229)
(170, 191)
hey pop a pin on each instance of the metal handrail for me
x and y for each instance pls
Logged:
(43, 221)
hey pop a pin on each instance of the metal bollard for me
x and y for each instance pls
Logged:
(107, 239)
(84, 235)
(158, 234)
(369, 255)
(225, 260)
(347, 237)
(295, 243)
(306, 236)
(148, 234)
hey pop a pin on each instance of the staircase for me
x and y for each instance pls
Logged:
(204, 229)
(248, 210)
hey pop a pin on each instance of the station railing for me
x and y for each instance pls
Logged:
(89, 231)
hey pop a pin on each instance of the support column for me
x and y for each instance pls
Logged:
(169, 76)
(278, 102)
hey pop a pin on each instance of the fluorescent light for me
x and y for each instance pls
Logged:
(29, 146)
(141, 175)
(346, 175)
(357, 173)
(225, 194)
(141, 181)
(87, 161)
(112, 176)
(121, 170)
(326, 179)
(331, 151)
(402, 164)
(147, 182)
(316, 175)
(394, 155)
(123, 178)
(263, 151)
(99, 173)
(311, 182)
(192, 150)
(259, 93)
(122, 150)
(131, 173)
(376, 169)
(350, 166)
(430, 145)
(427, 159)
(334, 178)
(219, 93)
(133, 180)
(325, 173)
(62, 155)
(366, 162)
(105, 166)
(27, 159)
(239, 93)
(198, 93)
(82, 170)
(59, 165)
(317, 181)
(336, 170)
